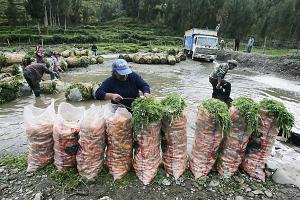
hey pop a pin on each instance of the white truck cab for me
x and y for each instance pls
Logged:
(202, 44)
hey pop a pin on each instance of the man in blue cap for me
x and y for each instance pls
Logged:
(123, 86)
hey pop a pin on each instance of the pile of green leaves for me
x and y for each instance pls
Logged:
(29, 58)
(84, 62)
(285, 119)
(173, 106)
(85, 90)
(2, 60)
(221, 112)
(145, 111)
(49, 88)
(249, 109)
(9, 89)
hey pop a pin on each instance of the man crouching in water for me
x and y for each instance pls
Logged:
(221, 87)
(33, 74)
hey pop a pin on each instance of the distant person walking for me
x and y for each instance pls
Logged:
(94, 49)
(222, 44)
(250, 44)
(237, 42)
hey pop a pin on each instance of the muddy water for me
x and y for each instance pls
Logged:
(190, 79)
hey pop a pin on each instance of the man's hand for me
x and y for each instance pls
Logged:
(147, 95)
(116, 97)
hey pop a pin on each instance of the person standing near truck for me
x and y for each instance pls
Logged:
(250, 44)
(237, 42)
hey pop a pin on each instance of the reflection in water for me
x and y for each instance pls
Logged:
(189, 79)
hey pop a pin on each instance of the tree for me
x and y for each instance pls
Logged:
(65, 9)
(35, 9)
(11, 13)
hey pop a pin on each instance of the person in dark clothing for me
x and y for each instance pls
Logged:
(123, 87)
(33, 75)
(221, 87)
(94, 49)
(237, 42)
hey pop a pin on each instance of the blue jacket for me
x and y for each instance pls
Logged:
(127, 89)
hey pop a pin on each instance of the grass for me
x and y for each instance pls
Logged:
(272, 52)
(14, 161)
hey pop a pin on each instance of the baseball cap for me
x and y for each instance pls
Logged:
(121, 66)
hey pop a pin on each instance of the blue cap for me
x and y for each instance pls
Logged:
(121, 66)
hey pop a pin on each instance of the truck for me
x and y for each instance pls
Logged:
(201, 43)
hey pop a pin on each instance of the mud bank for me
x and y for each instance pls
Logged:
(285, 66)
(48, 184)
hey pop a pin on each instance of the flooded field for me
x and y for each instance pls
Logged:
(189, 79)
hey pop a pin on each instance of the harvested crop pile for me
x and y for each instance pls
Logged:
(99, 59)
(244, 116)
(147, 115)
(171, 59)
(65, 134)
(92, 60)
(172, 52)
(273, 117)
(9, 89)
(213, 122)
(84, 61)
(175, 154)
(29, 57)
(2, 60)
(79, 92)
(48, 87)
(13, 69)
(14, 58)
(63, 64)
(154, 58)
(73, 62)
(66, 53)
(119, 143)
(39, 130)
(90, 157)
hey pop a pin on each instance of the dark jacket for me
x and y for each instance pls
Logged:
(94, 47)
(127, 89)
(36, 71)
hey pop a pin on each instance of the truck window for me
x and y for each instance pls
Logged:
(207, 42)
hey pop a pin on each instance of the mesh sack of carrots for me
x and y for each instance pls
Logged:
(212, 123)
(119, 143)
(39, 131)
(90, 156)
(175, 154)
(65, 134)
(147, 115)
(273, 117)
(244, 116)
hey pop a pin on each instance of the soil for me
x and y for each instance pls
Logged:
(17, 184)
(285, 66)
